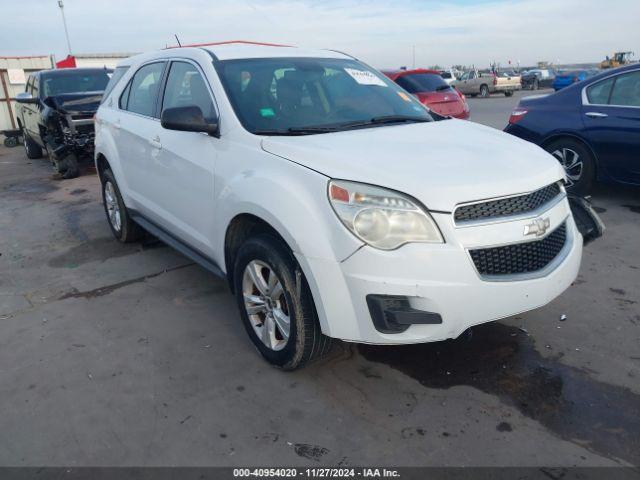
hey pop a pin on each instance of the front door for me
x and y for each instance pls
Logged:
(186, 162)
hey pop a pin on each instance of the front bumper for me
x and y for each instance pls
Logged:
(438, 278)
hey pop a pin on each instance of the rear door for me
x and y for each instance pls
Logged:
(611, 116)
(138, 126)
(184, 166)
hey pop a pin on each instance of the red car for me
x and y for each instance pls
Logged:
(432, 91)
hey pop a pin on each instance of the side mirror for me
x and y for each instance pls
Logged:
(188, 119)
(25, 97)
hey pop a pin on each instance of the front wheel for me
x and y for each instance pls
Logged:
(276, 304)
(577, 161)
(31, 148)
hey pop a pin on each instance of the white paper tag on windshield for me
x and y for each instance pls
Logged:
(364, 77)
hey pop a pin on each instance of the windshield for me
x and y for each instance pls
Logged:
(75, 83)
(422, 82)
(313, 95)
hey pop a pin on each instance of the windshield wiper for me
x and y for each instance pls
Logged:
(398, 119)
(313, 129)
(443, 87)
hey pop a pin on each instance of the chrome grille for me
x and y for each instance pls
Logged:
(520, 257)
(503, 207)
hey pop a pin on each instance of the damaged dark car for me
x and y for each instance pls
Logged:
(56, 115)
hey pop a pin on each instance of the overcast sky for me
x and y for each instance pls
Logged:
(380, 32)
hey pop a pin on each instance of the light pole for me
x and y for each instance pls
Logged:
(64, 22)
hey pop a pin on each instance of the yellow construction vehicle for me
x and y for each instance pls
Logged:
(617, 60)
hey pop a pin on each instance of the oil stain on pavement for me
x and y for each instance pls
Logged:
(502, 360)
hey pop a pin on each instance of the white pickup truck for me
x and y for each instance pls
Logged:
(475, 83)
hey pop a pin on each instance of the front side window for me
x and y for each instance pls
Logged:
(143, 89)
(74, 82)
(34, 88)
(185, 88)
(598, 93)
(626, 90)
(289, 95)
(422, 82)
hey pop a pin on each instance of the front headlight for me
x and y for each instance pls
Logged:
(382, 218)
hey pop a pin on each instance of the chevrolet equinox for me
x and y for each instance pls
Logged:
(333, 202)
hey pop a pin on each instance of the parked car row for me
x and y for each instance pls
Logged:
(332, 201)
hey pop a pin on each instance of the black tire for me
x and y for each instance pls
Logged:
(305, 342)
(508, 93)
(127, 230)
(10, 142)
(484, 91)
(566, 147)
(31, 148)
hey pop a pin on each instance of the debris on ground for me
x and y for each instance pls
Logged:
(563, 317)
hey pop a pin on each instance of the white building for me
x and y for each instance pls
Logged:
(13, 78)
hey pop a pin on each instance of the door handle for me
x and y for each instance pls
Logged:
(596, 115)
(155, 142)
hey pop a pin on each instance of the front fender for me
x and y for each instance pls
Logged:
(293, 200)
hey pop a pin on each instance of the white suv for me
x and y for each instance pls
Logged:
(334, 203)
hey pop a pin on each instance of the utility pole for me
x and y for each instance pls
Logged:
(64, 22)
(414, 56)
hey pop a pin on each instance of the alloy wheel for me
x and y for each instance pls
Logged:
(572, 164)
(266, 305)
(113, 207)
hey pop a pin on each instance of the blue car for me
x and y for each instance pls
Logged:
(564, 79)
(591, 127)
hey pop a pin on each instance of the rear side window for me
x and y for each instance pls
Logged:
(422, 82)
(113, 81)
(186, 87)
(598, 94)
(143, 90)
(626, 90)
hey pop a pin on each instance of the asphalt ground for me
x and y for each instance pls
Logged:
(114, 355)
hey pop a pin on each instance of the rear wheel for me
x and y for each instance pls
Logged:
(31, 148)
(276, 305)
(484, 91)
(122, 226)
(508, 93)
(10, 142)
(577, 161)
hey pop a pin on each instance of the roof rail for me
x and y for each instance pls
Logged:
(342, 53)
(227, 42)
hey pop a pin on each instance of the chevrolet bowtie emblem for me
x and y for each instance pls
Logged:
(538, 227)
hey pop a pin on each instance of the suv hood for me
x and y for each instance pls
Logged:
(439, 163)
(75, 103)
